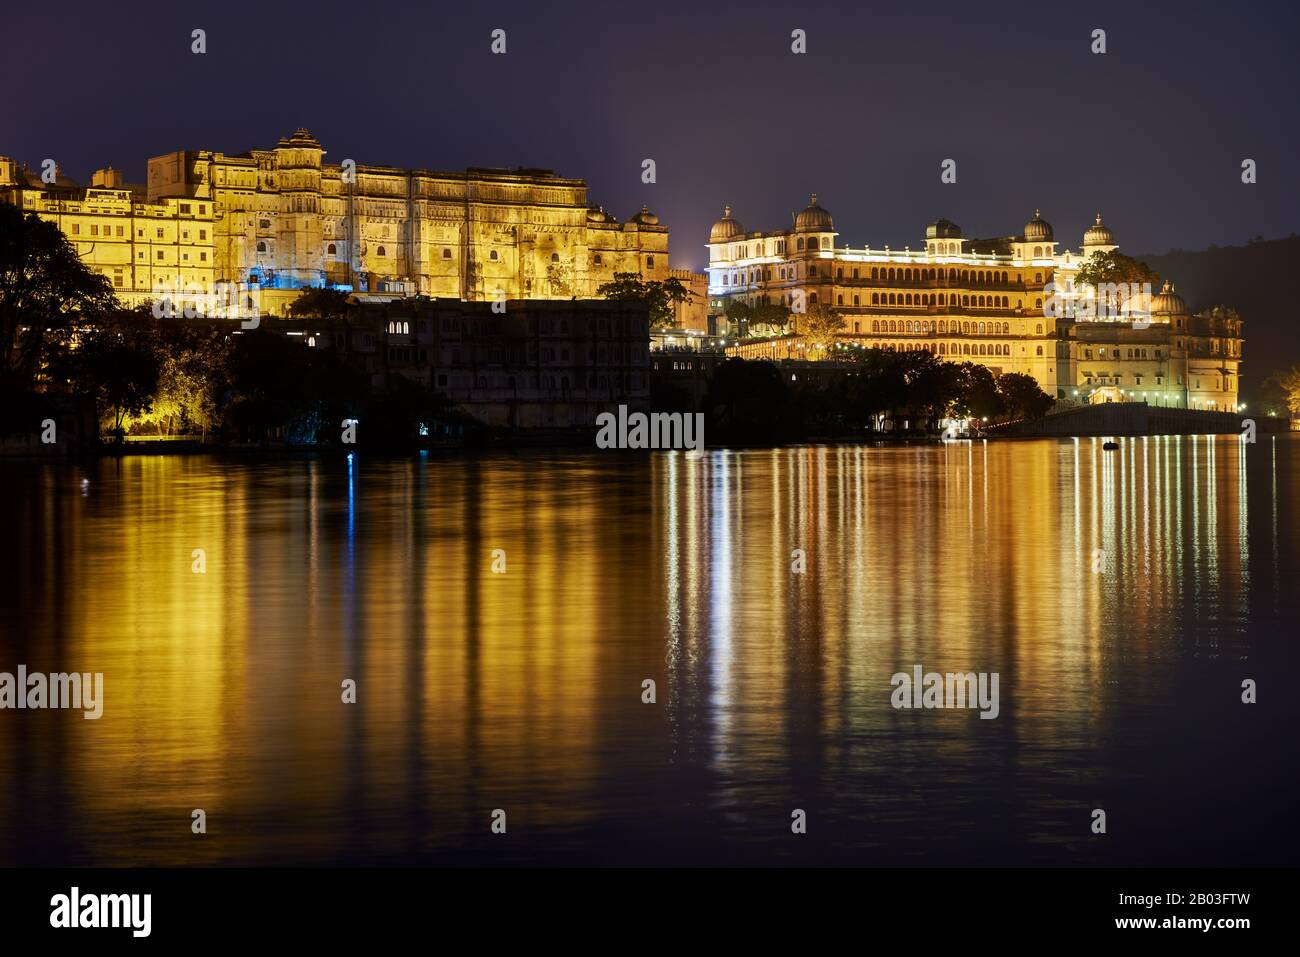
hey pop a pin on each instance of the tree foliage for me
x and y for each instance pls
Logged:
(820, 325)
(1114, 267)
(320, 303)
(659, 295)
(45, 291)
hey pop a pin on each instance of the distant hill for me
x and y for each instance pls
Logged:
(1255, 279)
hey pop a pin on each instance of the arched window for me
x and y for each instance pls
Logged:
(799, 243)
(261, 247)
(812, 298)
(555, 257)
(1038, 329)
(1040, 350)
(855, 301)
(446, 254)
(492, 255)
(812, 270)
(875, 325)
(875, 272)
(965, 300)
(875, 298)
(892, 299)
(907, 299)
(380, 251)
(330, 250)
(943, 326)
(839, 300)
(813, 243)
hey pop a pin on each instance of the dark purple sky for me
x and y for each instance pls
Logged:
(1152, 133)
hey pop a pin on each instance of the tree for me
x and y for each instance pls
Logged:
(975, 392)
(44, 289)
(748, 401)
(192, 361)
(660, 296)
(1288, 383)
(1115, 267)
(1022, 395)
(740, 314)
(819, 325)
(120, 373)
(770, 318)
(320, 303)
(1116, 279)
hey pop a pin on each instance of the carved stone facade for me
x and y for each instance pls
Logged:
(1008, 303)
(289, 220)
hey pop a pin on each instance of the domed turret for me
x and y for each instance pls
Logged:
(1167, 302)
(1038, 229)
(644, 217)
(1098, 235)
(814, 218)
(725, 228)
(943, 229)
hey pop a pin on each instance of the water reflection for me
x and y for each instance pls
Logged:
(770, 594)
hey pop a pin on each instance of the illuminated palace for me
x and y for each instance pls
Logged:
(284, 219)
(1008, 303)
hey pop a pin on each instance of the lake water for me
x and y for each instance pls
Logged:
(1121, 597)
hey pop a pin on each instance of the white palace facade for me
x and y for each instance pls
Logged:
(1008, 303)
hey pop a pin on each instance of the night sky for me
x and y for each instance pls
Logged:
(1152, 133)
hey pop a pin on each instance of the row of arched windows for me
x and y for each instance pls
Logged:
(922, 299)
(979, 276)
(890, 274)
(943, 326)
(944, 349)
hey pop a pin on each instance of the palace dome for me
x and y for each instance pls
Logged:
(1168, 302)
(597, 214)
(943, 229)
(1038, 229)
(1098, 235)
(644, 217)
(814, 217)
(725, 228)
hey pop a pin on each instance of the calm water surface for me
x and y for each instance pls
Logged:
(1120, 688)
